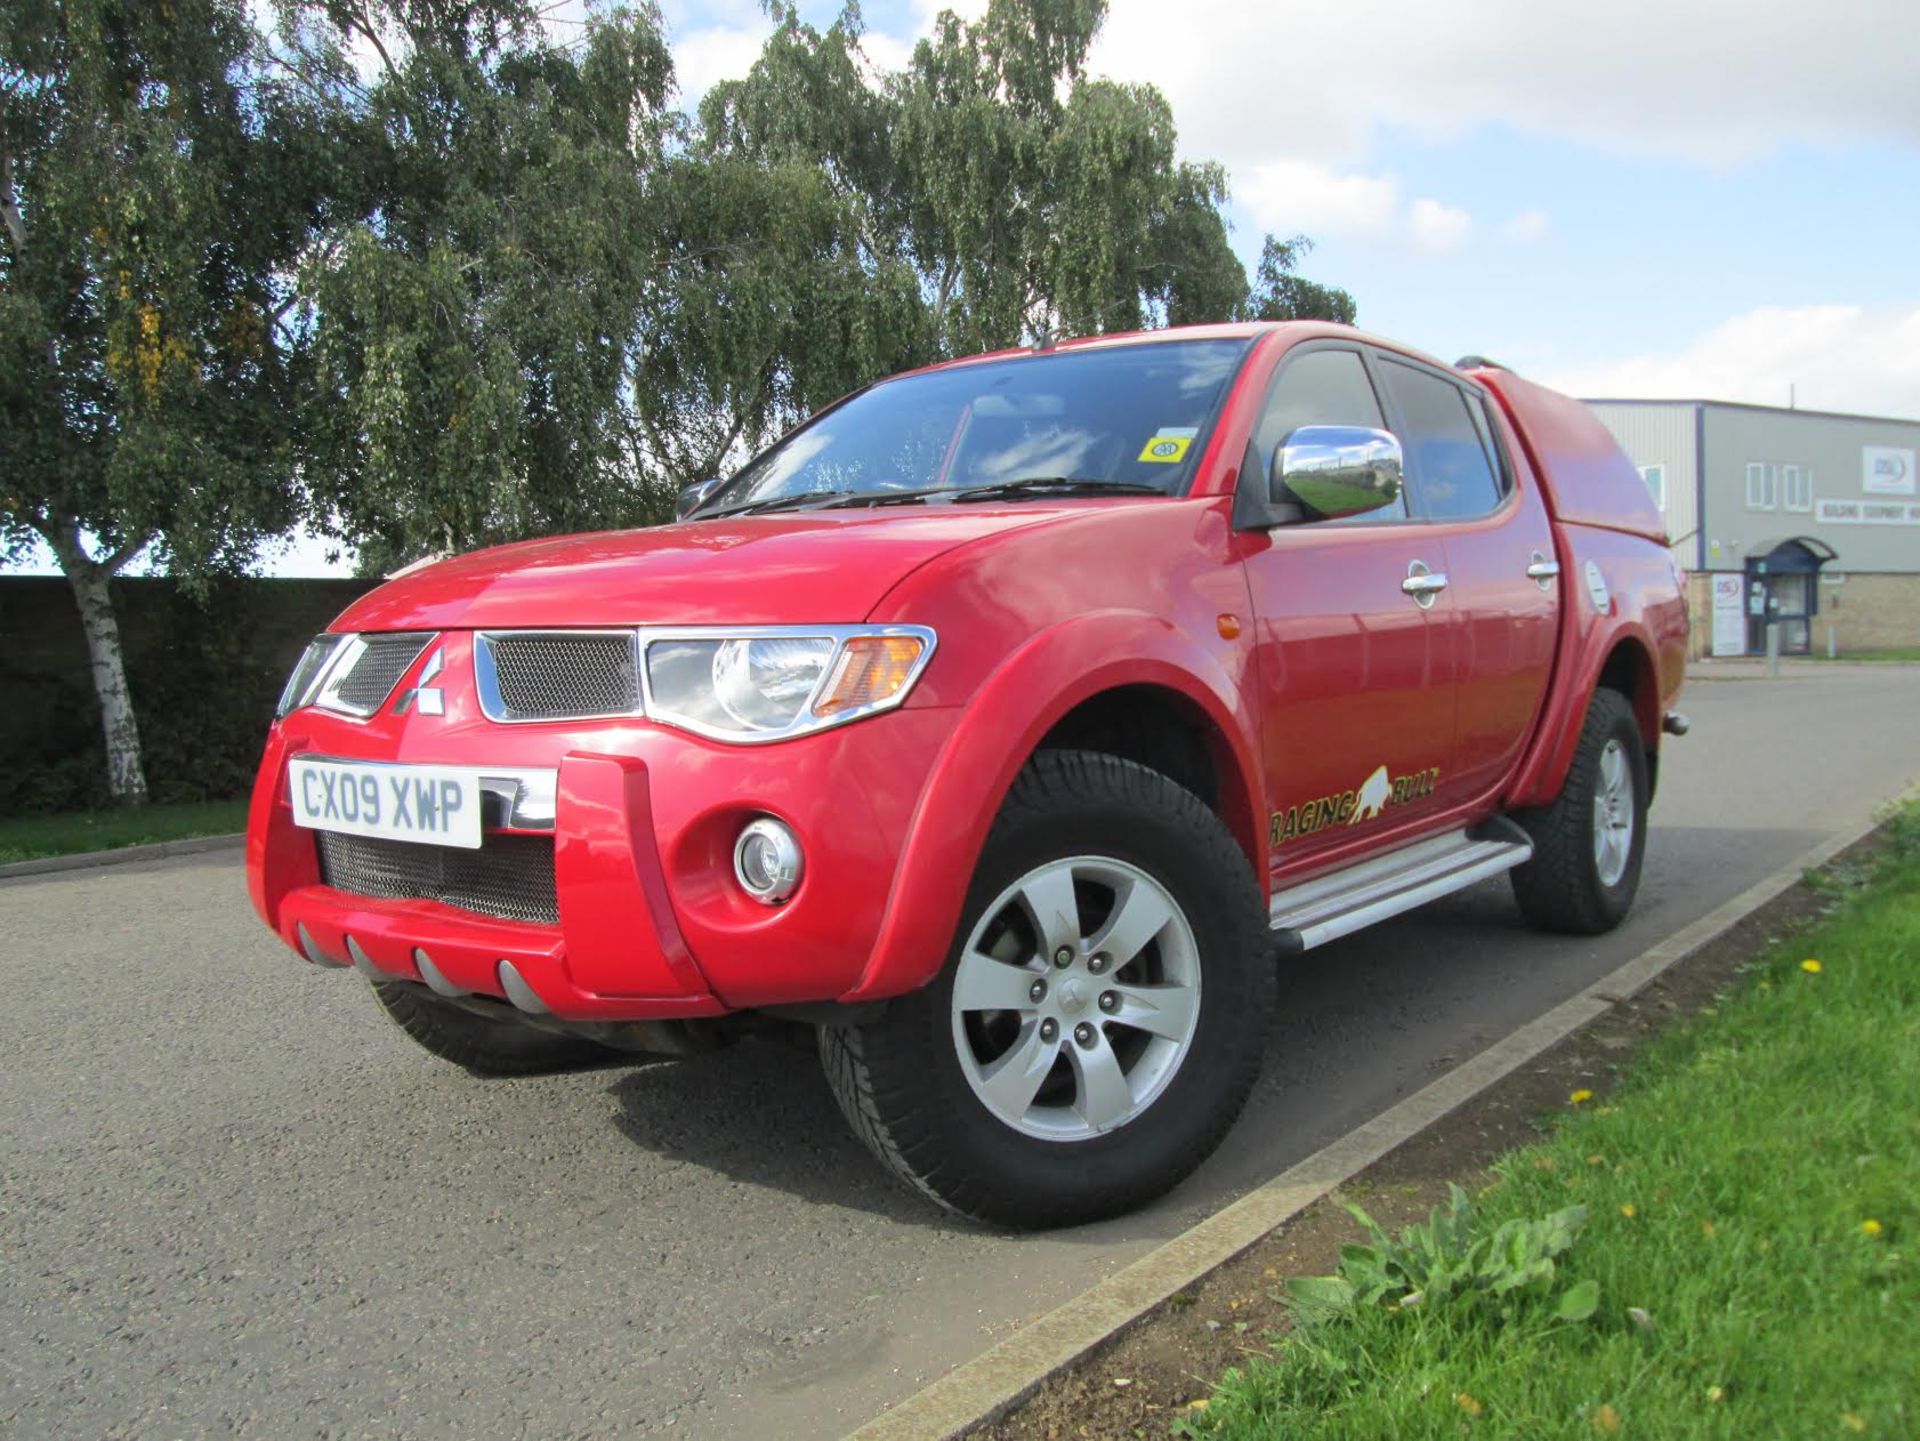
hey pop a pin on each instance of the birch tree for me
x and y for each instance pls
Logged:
(155, 187)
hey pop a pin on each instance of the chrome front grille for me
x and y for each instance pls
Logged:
(510, 876)
(535, 675)
(365, 676)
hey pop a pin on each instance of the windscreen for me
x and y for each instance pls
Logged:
(1130, 415)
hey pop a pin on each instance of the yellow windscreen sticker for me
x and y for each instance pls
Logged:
(1168, 445)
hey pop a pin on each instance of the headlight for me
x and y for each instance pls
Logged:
(304, 683)
(766, 685)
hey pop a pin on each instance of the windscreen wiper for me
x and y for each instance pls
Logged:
(806, 500)
(1045, 485)
(879, 497)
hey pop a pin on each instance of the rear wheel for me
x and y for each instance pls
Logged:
(500, 1045)
(1101, 1018)
(1588, 845)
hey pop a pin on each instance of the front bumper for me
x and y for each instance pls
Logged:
(652, 924)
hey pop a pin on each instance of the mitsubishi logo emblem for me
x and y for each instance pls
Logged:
(422, 696)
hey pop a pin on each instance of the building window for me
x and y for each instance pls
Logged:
(1797, 485)
(1656, 478)
(1760, 491)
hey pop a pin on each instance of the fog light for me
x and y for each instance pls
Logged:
(766, 861)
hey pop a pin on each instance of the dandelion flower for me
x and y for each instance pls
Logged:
(1871, 1227)
(1467, 1404)
(1581, 1097)
(1853, 1421)
(1629, 1210)
(1810, 966)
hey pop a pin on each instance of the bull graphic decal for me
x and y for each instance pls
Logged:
(1376, 795)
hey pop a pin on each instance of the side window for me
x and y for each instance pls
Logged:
(1446, 448)
(1322, 387)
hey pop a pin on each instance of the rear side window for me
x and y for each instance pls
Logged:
(1447, 445)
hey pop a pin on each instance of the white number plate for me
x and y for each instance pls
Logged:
(439, 805)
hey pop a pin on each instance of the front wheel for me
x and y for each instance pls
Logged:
(1100, 1020)
(1588, 845)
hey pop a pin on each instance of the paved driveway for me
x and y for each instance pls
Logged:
(233, 1198)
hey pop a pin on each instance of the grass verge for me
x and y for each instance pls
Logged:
(28, 838)
(1749, 1212)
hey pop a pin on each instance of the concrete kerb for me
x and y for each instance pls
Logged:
(121, 855)
(982, 1390)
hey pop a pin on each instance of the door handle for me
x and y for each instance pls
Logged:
(1541, 569)
(1423, 583)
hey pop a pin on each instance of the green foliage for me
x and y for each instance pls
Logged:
(1451, 1258)
(1280, 293)
(472, 320)
(157, 184)
(829, 223)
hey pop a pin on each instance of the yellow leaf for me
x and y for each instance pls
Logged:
(1467, 1404)
(1607, 1420)
(1716, 1394)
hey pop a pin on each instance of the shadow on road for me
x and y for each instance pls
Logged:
(760, 1113)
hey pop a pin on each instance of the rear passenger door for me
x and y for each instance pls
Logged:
(1488, 520)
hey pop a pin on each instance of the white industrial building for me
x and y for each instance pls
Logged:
(1808, 520)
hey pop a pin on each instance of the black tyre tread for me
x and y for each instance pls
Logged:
(873, 1071)
(1559, 889)
(480, 1044)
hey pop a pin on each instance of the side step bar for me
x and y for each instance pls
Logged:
(1321, 910)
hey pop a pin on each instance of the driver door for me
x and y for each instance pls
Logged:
(1355, 676)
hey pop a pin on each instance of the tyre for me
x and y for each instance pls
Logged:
(1588, 845)
(1102, 1015)
(484, 1045)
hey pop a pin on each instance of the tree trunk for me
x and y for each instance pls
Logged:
(126, 780)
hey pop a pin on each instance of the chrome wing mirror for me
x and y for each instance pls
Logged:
(690, 499)
(1333, 471)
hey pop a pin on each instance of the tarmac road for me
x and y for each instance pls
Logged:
(234, 1199)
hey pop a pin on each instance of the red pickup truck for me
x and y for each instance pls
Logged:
(1001, 724)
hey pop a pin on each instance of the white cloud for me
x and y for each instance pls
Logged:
(1438, 229)
(1834, 357)
(1709, 80)
(1529, 227)
(702, 58)
(1290, 195)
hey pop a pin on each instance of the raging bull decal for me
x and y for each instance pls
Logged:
(1377, 794)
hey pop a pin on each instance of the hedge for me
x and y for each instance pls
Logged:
(204, 667)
